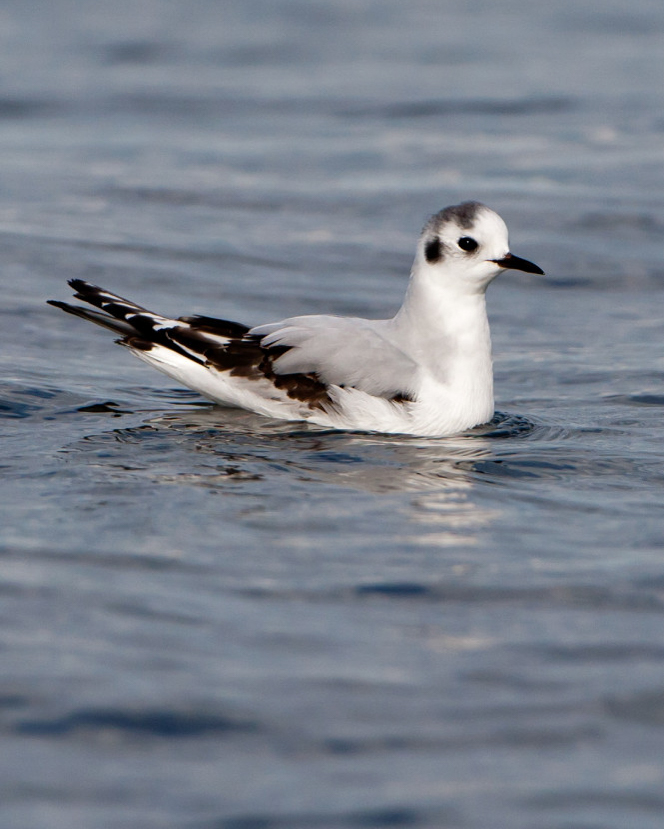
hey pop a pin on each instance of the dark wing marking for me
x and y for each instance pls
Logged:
(215, 343)
(139, 328)
(113, 304)
(245, 357)
(112, 324)
(307, 388)
(212, 325)
(402, 397)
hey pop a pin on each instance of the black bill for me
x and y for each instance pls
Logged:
(518, 264)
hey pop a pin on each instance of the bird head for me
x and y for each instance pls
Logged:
(464, 247)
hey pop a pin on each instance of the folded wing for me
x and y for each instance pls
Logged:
(343, 351)
(297, 359)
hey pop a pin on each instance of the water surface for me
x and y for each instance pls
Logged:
(218, 621)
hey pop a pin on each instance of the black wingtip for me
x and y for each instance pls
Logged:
(77, 284)
(84, 289)
(57, 304)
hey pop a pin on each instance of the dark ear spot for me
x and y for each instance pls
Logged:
(433, 251)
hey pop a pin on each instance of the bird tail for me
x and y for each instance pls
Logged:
(116, 313)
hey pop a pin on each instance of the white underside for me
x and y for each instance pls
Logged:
(437, 411)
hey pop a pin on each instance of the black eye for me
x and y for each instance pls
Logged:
(467, 244)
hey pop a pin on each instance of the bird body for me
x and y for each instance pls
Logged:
(426, 371)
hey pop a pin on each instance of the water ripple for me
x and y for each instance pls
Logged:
(382, 818)
(578, 596)
(151, 722)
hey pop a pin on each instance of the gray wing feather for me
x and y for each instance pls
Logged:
(343, 351)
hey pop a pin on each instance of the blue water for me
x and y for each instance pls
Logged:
(211, 620)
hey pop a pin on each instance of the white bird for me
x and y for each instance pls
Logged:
(426, 371)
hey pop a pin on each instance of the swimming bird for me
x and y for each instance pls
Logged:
(426, 371)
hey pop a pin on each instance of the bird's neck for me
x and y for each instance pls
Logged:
(447, 330)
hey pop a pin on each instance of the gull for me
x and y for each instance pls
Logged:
(427, 371)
